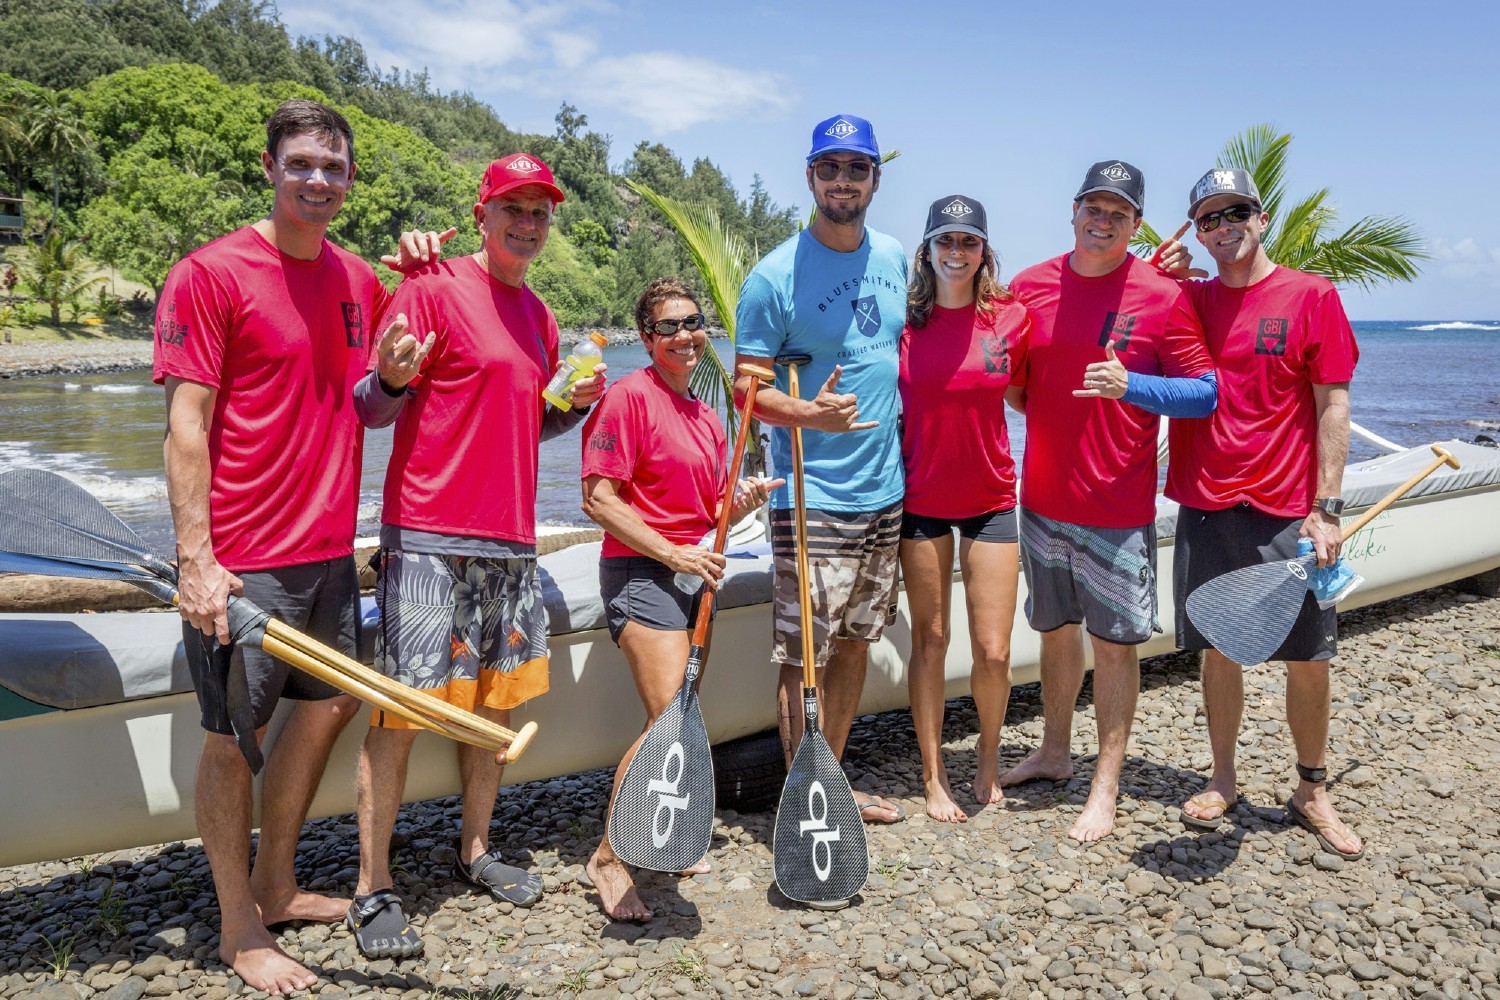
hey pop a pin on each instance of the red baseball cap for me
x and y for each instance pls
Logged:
(517, 170)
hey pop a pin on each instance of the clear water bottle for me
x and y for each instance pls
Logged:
(581, 362)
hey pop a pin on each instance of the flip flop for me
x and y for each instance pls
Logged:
(1206, 823)
(506, 883)
(380, 927)
(876, 802)
(1316, 828)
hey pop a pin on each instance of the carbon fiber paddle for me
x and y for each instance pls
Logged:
(51, 526)
(662, 815)
(1248, 613)
(819, 851)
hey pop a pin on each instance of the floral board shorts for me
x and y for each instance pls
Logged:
(471, 630)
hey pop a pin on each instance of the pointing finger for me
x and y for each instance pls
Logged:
(1161, 250)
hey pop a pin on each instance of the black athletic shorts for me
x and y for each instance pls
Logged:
(996, 526)
(1211, 543)
(320, 599)
(639, 589)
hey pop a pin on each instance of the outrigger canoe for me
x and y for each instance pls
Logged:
(99, 730)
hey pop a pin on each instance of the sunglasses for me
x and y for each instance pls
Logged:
(1234, 213)
(668, 327)
(829, 170)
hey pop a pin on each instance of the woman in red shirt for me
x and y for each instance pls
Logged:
(654, 468)
(965, 334)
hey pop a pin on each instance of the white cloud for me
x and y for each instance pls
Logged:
(669, 95)
(1466, 260)
(499, 46)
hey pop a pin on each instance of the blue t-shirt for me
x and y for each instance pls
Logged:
(843, 309)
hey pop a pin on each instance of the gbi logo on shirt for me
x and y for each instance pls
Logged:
(354, 323)
(996, 356)
(670, 802)
(1271, 338)
(823, 835)
(1117, 327)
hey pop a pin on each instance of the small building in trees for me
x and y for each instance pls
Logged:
(11, 221)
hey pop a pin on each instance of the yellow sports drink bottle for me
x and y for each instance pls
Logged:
(581, 362)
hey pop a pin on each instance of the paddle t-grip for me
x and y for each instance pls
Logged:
(1444, 457)
(518, 746)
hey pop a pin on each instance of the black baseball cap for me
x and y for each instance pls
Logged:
(1116, 177)
(1222, 180)
(956, 214)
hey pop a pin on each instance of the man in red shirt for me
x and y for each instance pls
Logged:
(1264, 470)
(462, 615)
(260, 339)
(1114, 343)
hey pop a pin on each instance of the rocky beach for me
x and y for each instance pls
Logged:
(1001, 906)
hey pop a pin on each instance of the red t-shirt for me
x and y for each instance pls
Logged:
(954, 442)
(668, 452)
(283, 341)
(464, 457)
(1092, 461)
(1271, 342)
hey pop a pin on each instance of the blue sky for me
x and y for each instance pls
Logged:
(1393, 106)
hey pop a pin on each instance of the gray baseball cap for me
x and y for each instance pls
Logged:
(956, 214)
(1222, 180)
(1116, 177)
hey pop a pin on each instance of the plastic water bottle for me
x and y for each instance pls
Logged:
(581, 362)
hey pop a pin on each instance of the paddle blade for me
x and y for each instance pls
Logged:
(662, 817)
(44, 514)
(1248, 613)
(15, 562)
(819, 846)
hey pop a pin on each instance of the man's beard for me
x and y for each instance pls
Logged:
(843, 216)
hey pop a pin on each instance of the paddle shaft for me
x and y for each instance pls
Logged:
(804, 586)
(721, 532)
(1444, 457)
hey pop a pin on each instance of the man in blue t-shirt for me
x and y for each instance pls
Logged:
(835, 292)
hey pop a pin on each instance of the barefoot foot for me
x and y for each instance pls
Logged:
(1097, 820)
(298, 904)
(1037, 767)
(257, 960)
(617, 895)
(987, 786)
(940, 804)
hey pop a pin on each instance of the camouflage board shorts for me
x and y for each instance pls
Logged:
(852, 561)
(471, 630)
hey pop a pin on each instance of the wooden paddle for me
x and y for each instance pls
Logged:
(1248, 613)
(662, 815)
(819, 851)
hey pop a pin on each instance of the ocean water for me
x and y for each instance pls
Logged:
(1417, 382)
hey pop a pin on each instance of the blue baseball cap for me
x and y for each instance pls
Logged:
(844, 134)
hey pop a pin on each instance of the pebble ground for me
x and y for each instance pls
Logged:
(1001, 906)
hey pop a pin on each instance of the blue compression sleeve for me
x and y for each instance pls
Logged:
(1174, 397)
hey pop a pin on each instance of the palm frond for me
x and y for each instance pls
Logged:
(1146, 240)
(1291, 240)
(1262, 151)
(1376, 250)
(723, 261)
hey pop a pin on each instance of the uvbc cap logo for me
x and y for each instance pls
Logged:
(525, 165)
(957, 209)
(841, 129)
(1115, 172)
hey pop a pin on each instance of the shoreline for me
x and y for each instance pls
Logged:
(1001, 906)
(93, 357)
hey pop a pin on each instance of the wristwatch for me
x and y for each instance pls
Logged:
(1330, 505)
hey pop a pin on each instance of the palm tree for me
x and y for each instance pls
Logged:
(55, 130)
(1373, 251)
(55, 272)
(13, 141)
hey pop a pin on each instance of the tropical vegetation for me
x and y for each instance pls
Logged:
(1302, 233)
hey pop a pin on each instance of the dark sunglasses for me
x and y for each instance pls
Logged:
(829, 170)
(668, 327)
(1234, 213)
